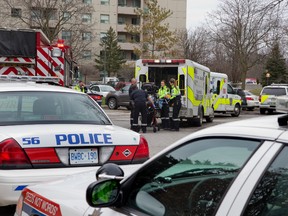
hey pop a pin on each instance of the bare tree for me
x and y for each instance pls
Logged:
(54, 16)
(243, 27)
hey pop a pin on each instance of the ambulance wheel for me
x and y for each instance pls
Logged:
(112, 103)
(199, 120)
(237, 110)
(210, 118)
(262, 111)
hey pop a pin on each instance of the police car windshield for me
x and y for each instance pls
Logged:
(33, 107)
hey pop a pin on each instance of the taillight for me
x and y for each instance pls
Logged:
(42, 155)
(96, 97)
(249, 98)
(12, 156)
(142, 151)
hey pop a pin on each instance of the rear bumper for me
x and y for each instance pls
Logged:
(12, 182)
(264, 106)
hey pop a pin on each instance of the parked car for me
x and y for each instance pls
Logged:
(268, 97)
(119, 98)
(48, 132)
(95, 96)
(101, 89)
(252, 100)
(237, 168)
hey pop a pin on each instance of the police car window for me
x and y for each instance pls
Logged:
(274, 91)
(192, 179)
(270, 197)
(44, 107)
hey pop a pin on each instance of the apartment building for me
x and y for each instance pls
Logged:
(98, 19)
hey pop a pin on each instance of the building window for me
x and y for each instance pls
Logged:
(121, 20)
(66, 35)
(122, 38)
(103, 34)
(87, 1)
(16, 12)
(122, 3)
(105, 2)
(86, 36)
(135, 21)
(135, 38)
(104, 18)
(87, 54)
(134, 56)
(136, 3)
(86, 18)
(66, 15)
(43, 13)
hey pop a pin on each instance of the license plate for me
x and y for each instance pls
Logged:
(83, 156)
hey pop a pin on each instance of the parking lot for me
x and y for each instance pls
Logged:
(161, 139)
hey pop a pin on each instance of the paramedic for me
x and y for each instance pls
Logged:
(175, 101)
(164, 95)
(81, 87)
(139, 98)
(131, 104)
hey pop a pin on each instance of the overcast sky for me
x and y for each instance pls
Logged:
(197, 11)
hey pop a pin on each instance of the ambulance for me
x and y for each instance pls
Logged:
(193, 82)
(224, 99)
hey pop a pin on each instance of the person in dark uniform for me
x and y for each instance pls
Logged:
(132, 86)
(175, 101)
(140, 97)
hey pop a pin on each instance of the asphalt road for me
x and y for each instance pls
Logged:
(159, 140)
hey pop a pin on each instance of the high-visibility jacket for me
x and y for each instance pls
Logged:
(175, 92)
(77, 88)
(163, 91)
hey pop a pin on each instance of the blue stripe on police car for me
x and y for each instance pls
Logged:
(75, 139)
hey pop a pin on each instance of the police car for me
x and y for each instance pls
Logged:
(238, 168)
(269, 95)
(48, 132)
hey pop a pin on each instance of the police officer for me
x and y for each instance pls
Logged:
(140, 98)
(132, 86)
(81, 87)
(175, 101)
(164, 95)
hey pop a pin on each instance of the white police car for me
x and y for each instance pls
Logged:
(48, 132)
(238, 168)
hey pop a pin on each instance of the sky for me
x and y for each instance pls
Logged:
(197, 11)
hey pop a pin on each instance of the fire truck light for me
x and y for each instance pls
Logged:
(56, 52)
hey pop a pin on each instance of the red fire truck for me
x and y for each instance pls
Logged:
(28, 52)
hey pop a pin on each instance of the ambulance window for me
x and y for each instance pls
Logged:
(206, 85)
(182, 84)
(142, 78)
(218, 87)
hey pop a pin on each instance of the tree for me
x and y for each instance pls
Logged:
(111, 57)
(243, 27)
(52, 17)
(154, 31)
(275, 66)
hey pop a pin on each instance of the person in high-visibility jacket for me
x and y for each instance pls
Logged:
(175, 101)
(81, 87)
(164, 95)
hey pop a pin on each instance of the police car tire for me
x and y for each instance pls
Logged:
(112, 103)
(262, 111)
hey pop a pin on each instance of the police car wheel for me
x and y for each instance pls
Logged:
(112, 103)
(262, 111)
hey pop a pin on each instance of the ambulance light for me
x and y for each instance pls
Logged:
(168, 61)
(179, 61)
(156, 61)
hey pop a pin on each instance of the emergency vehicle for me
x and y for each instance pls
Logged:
(29, 52)
(269, 95)
(193, 82)
(224, 99)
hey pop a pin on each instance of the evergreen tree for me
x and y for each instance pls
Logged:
(276, 67)
(154, 31)
(111, 57)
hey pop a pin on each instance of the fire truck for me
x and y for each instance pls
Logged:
(29, 52)
(193, 82)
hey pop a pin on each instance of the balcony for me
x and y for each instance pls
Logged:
(127, 46)
(126, 10)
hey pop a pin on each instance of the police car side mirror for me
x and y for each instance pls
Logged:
(109, 171)
(103, 193)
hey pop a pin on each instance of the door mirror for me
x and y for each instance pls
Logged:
(103, 193)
